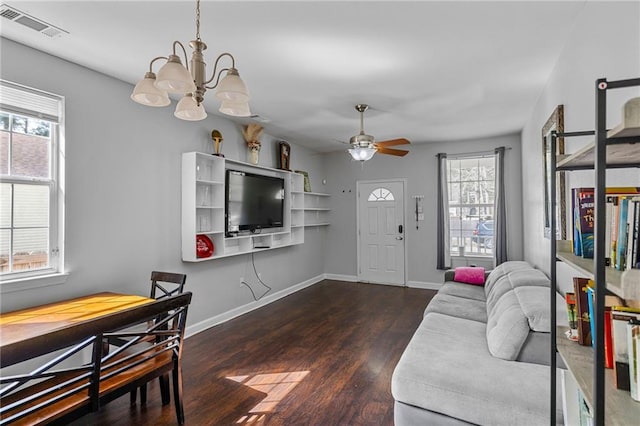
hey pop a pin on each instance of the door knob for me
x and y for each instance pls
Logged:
(399, 238)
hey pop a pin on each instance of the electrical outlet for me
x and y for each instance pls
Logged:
(259, 275)
(241, 280)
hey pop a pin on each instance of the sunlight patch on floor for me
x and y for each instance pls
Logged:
(275, 385)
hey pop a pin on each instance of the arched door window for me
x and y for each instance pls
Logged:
(381, 194)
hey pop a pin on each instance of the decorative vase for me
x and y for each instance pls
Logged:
(254, 154)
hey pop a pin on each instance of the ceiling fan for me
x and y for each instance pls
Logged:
(364, 146)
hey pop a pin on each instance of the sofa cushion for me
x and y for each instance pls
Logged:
(507, 327)
(514, 279)
(535, 305)
(503, 269)
(463, 290)
(447, 368)
(460, 307)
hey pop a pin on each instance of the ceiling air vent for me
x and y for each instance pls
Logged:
(31, 22)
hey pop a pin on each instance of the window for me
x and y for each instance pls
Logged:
(471, 190)
(30, 192)
(381, 194)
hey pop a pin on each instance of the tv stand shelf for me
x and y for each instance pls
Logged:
(203, 208)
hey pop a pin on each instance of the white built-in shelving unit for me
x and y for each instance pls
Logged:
(203, 208)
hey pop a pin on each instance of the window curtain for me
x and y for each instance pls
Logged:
(444, 251)
(500, 217)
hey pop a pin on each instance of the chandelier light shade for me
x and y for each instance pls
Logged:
(240, 109)
(360, 153)
(174, 77)
(146, 93)
(232, 88)
(188, 109)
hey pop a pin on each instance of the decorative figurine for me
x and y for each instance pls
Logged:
(217, 138)
(285, 155)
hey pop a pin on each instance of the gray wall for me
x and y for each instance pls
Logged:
(605, 42)
(419, 168)
(123, 193)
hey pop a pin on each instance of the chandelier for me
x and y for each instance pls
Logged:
(173, 77)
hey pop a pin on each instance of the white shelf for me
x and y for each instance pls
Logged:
(316, 209)
(618, 154)
(585, 267)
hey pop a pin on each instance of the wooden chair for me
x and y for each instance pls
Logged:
(163, 285)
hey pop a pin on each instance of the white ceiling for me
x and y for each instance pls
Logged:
(431, 71)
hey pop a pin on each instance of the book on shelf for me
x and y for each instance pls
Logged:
(623, 232)
(582, 310)
(633, 231)
(620, 316)
(576, 193)
(570, 299)
(633, 336)
(622, 225)
(609, 303)
(585, 223)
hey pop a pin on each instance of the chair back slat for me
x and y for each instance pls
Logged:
(166, 284)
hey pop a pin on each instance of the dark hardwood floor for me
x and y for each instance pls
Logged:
(321, 356)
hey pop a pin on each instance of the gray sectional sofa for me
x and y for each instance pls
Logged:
(481, 354)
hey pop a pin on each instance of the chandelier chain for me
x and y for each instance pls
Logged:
(198, 20)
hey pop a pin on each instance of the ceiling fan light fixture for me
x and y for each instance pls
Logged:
(360, 153)
(146, 93)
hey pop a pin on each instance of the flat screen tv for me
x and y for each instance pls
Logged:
(253, 202)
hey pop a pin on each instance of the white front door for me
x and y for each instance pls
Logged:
(381, 232)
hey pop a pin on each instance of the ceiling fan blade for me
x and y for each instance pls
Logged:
(396, 152)
(393, 142)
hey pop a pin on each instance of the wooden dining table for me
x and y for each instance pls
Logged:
(34, 331)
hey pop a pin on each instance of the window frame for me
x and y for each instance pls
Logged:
(453, 250)
(54, 273)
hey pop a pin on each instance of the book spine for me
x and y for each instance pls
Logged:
(592, 325)
(582, 308)
(607, 235)
(570, 299)
(586, 224)
(622, 235)
(614, 231)
(608, 340)
(577, 244)
(620, 316)
(630, 238)
(633, 336)
(634, 259)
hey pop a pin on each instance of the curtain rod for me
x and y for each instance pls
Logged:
(477, 153)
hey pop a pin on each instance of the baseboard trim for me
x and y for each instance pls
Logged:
(241, 310)
(339, 277)
(424, 285)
